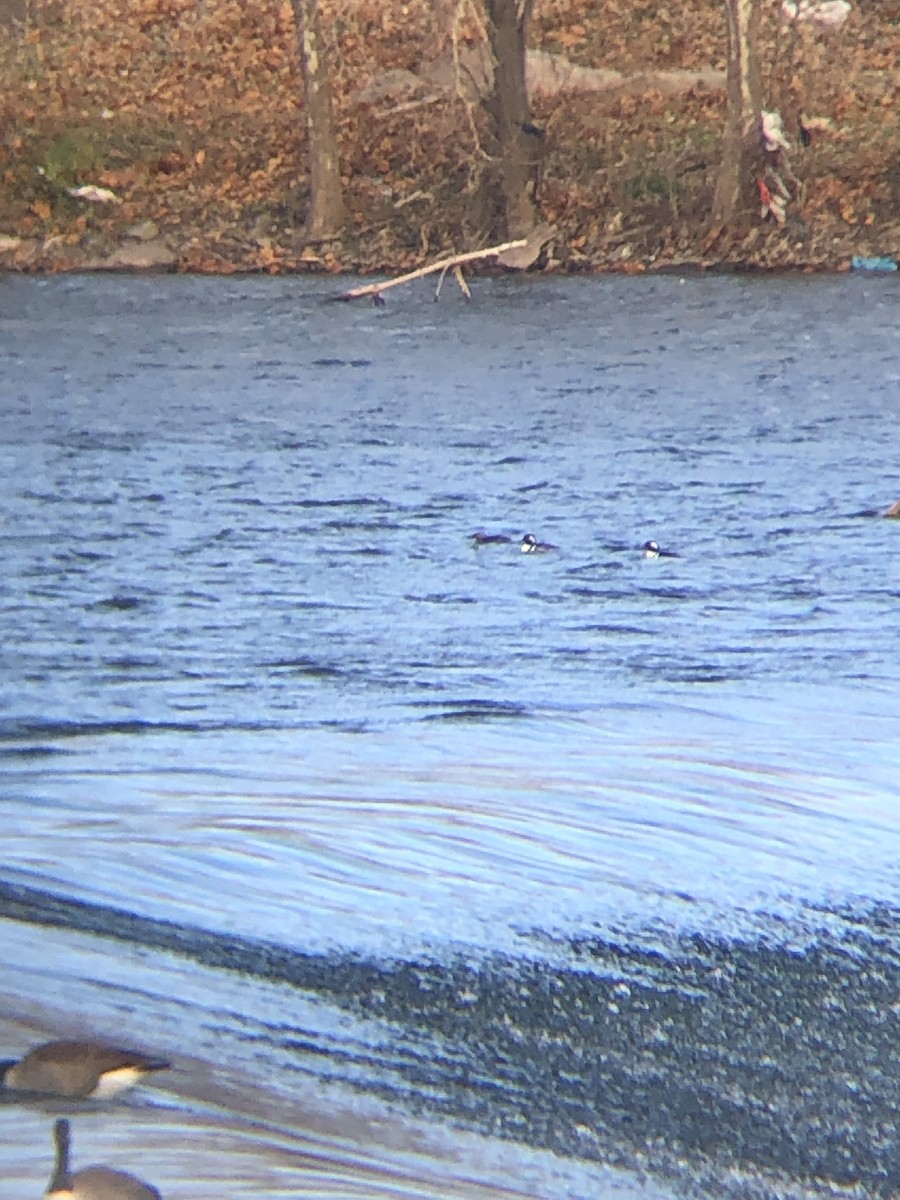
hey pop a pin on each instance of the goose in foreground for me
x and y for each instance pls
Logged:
(78, 1070)
(654, 550)
(530, 545)
(91, 1183)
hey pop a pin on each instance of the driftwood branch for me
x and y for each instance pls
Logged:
(518, 254)
(442, 265)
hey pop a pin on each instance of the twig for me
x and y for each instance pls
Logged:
(440, 282)
(461, 280)
(408, 106)
(420, 195)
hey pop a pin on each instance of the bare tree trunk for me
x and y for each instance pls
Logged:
(741, 148)
(327, 213)
(510, 193)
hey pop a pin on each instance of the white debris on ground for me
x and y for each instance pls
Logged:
(94, 194)
(771, 128)
(826, 14)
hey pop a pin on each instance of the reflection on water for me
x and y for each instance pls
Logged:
(460, 869)
(400, 838)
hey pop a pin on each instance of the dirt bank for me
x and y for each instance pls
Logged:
(190, 115)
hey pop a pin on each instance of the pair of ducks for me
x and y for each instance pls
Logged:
(82, 1071)
(530, 544)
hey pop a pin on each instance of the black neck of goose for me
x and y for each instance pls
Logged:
(61, 1179)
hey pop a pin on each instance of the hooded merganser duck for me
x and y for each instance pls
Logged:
(480, 538)
(530, 545)
(654, 550)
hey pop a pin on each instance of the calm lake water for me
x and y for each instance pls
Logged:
(441, 871)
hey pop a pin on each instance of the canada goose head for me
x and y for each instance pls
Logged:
(91, 1183)
(78, 1070)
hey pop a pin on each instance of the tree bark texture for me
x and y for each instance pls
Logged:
(516, 153)
(327, 212)
(741, 148)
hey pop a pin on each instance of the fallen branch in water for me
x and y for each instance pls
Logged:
(518, 254)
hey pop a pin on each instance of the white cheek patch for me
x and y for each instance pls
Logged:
(113, 1082)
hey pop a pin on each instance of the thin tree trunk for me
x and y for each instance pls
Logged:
(327, 213)
(741, 149)
(516, 151)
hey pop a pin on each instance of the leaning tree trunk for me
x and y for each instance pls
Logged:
(327, 213)
(741, 148)
(515, 151)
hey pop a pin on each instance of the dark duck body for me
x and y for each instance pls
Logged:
(480, 538)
